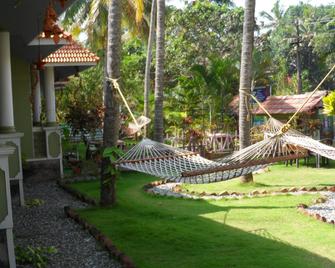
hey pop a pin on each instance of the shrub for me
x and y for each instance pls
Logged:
(35, 256)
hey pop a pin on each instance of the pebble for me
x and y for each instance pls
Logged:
(167, 190)
(326, 209)
(47, 226)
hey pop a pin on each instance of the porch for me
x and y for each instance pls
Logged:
(27, 79)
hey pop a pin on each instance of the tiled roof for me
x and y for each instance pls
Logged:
(72, 53)
(285, 104)
(290, 104)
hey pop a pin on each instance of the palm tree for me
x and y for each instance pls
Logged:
(148, 62)
(274, 18)
(102, 19)
(159, 77)
(90, 16)
(112, 110)
(246, 76)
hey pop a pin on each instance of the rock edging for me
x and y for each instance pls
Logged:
(174, 190)
(82, 197)
(107, 243)
(125, 260)
(302, 208)
(259, 193)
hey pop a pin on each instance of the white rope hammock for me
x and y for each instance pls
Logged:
(178, 165)
(173, 164)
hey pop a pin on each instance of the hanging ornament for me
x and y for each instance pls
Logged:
(67, 37)
(50, 26)
(34, 81)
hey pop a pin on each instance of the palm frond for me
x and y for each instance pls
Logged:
(139, 7)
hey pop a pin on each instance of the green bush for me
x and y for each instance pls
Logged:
(35, 202)
(35, 256)
(329, 104)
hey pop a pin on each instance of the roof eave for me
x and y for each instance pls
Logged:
(70, 64)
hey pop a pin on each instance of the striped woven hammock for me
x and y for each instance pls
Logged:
(178, 165)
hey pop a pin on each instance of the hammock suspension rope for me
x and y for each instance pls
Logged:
(281, 143)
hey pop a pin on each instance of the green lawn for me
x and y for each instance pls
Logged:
(166, 232)
(278, 176)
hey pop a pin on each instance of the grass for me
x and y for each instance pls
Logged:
(168, 232)
(278, 176)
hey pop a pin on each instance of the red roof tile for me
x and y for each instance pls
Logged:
(290, 104)
(72, 53)
(285, 104)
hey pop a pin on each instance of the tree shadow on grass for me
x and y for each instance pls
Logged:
(167, 232)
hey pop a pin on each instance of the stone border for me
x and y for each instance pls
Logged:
(302, 208)
(260, 193)
(81, 178)
(174, 190)
(177, 191)
(150, 185)
(82, 197)
(107, 243)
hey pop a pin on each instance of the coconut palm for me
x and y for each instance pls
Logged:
(148, 61)
(90, 17)
(102, 20)
(159, 76)
(274, 18)
(111, 102)
(246, 77)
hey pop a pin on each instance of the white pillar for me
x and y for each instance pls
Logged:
(50, 100)
(37, 99)
(6, 94)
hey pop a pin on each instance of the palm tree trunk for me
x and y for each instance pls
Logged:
(159, 77)
(298, 60)
(148, 62)
(245, 77)
(111, 102)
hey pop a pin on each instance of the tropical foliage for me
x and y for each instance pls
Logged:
(329, 104)
(315, 26)
(80, 102)
(202, 56)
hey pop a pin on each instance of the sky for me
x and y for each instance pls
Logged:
(265, 5)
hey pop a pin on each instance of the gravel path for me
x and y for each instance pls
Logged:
(46, 226)
(326, 209)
